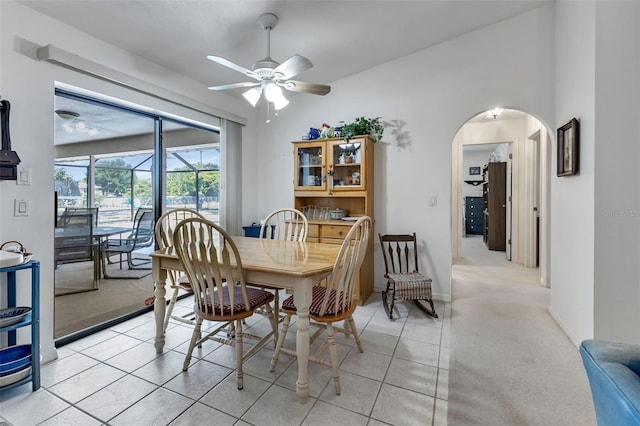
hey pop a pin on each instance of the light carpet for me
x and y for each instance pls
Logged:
(510, 362)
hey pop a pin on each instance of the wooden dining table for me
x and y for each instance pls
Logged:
(284, 264)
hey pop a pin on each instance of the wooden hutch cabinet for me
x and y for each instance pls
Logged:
(330, 174)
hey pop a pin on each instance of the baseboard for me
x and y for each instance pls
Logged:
(572, 337)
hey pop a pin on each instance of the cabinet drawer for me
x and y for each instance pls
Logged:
(313, 231)
(335, 231)
(336, 241)
(313, 239)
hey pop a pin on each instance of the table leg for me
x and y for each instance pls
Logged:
(302, 300)
(159, 305)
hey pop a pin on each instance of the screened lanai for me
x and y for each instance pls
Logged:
(106, 158)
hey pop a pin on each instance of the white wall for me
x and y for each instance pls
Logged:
(572, 198)
(595, 226)
(617, 172)
(29, 85)
(425, 97)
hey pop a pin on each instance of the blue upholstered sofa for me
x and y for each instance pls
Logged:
(614, 375)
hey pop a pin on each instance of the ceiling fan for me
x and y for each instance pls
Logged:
(271, 76)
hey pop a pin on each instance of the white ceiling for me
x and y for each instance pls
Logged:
(340, 38)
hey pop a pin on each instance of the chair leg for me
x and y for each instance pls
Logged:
(331, 339)
(238, 342)
(194, 339)
(132, 265)
(172, 303)
(283, 333)
(274, 323)
(346, 327)
(356, 335)
(276, 316)
(388, 297)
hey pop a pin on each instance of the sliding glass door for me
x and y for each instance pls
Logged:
(105, 161)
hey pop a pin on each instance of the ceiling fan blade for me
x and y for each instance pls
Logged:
(292, 67)
(227, 63)
(301, 86)
(235, 85)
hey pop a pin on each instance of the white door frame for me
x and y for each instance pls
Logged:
(509, 205)
(531, 198)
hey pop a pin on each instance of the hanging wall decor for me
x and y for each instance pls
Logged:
(569, 148)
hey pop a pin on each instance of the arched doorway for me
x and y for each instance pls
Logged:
(522, 142)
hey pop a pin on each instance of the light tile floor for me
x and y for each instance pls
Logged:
(115, 377)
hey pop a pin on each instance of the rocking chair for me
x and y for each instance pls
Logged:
(404, 282)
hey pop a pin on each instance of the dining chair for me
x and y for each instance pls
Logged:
(333, 303)
(77, 244)
(404, 281)
(69, 212)
(164, 231)
(212, 263)
(141, 236)
(285, 224)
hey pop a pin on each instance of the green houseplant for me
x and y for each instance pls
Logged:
(363, 126)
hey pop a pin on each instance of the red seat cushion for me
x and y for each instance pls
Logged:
(256, 296)
(317, 298)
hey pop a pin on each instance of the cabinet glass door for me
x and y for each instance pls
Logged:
(310, 166)
(348, 161)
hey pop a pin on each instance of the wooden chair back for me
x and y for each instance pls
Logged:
(165, 229)
(342, 280)
(285, 224)
(400, 253)
(210, 259)
(166, 225)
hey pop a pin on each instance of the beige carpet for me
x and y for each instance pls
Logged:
(114, 298)
(510, 362)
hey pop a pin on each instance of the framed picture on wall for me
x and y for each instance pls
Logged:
(474, 170)
(569, 148)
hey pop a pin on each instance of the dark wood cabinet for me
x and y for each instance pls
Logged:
(494, 195)
(473, 217)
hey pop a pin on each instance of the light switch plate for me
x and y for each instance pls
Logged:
(20, 207)
(24, 176)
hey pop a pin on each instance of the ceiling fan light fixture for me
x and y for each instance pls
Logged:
(269, 72)
(66, 115)
(494, 113)
(273, 93)
(280, 103)
(252, 96)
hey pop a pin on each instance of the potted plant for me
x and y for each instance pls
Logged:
(363, 126)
